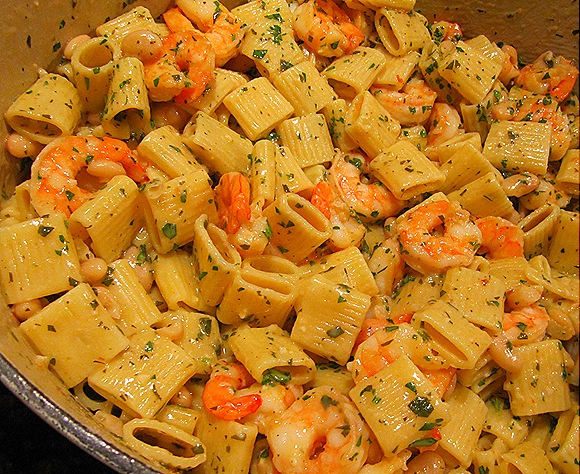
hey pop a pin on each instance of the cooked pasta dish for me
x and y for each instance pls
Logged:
(313, 237)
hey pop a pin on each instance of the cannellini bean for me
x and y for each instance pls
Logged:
(142, 44)
(142, 269)
(27, 309)
(502, 353)
(73, 43)
(94, 270)
(21, 147)
(426, 463)
(174, 330)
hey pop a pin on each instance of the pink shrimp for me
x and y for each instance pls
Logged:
(444, 124)
(219, 394)
(53, 182)
(410, 106)
(370, 201)
(509, 69)
(181, 69)
(437, 236)
(549, 74)
(526, 325)
(500, 238)
(222, 29)
(326, 29)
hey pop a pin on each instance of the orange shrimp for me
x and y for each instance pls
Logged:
(526, 325)
(549, 74)
(410, 106)
(326, 29)
(233, 201)
(444, 124)
(500, 238)
(509, 69)
(222, 29)
(53, 182)
(219, 394)
(437, 236)
(182, 68)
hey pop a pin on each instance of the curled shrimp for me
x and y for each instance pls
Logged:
(219, 394)
(53, 183)
(444, 124)
(181, 69)
(326, 29)
(222, 28)
(437, 236)
(369, 200)
(346, 229)
(446, 30)
(539, 109)
(549, 74)
(240, 218)
(509, 68)
(500, 238)
(526, 325)
(321, 432)
(410, 106)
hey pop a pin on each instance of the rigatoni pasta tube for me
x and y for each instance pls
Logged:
(263, 172)
(563, 252)
(406, 171)
(112, 217)
(335, 114)
(164, 443)
(538, 229)
(271, 356)
(127, 106)
(27, 259)
(139, 18)
(329, 317)
(401, 31)
(76, 333)
(290, 176)
(224, 82)
(297, 226)
(258, 107)
(51, 108)
(261, 293)
(216, 260)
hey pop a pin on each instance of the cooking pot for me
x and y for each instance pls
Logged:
(32, 34)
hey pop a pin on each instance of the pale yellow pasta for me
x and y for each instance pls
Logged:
(526, 457)
(308, 139)
(501, 422)
(538, 227)
(51, 108)
(165, 443)
(224, 82)
(253, 10)
(76, 334)
(164, 147)
(567, 177)
(139, 18)
(27, 258)
(329, 317)
(148, 381)
(370, 125)
(173, 207)
(331, 374)
(540, 386)
(401, 31)
(518, 146)
(397, 70)
(335, 114)
(412, 294)
(304, 87)
(270, 354)
(263, 172)
(179, 416)
(354, 73)
(112, 218)
(406, 171)
(562, 449)
(217, 146)
(289, 175)
(563, 253)
(127, 106)
(93, 63)
(258, 107)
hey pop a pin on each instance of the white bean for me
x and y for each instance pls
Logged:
(142, 44)
(94, 270)
(21, 147)
(183, 398)
(27, 309)
(174, 330)
(426, 463)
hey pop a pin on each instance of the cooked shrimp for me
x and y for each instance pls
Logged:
(219, 394)
(222, 28)
(410, 106)
(437, 236)
(549, 74)
(539, 109)
(444, 124)
(321, 432)
(500, 238)
(53, 182)
(520, 184)
(509, 68)
(241, 219)
(445, 30)
(346, 229)
(326, 29)
(369, 200)
(526, 325)
(181, 69)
